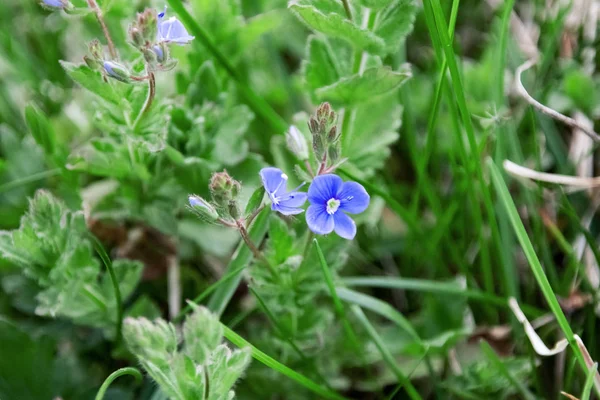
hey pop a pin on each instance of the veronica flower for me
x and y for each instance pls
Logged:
(275, 183)
(172, 30)
(330, 199)
(55, 3)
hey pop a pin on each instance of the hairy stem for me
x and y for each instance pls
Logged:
(347, 8)
(111, 45)
(255, 251)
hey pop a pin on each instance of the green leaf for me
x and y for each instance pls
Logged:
(360, 88)
(230, 148)
(92, 81)
(375, 4)
(319, 67)
(40, 128)
(395, 23)
(336, 25)
(255, 200)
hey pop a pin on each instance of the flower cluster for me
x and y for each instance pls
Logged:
(331, 199)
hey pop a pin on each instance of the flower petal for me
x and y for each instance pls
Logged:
(274, 180)
(344, 225)
(318, 220)
(354, 198)
(286, 210)
(323, 188)
(293, 199)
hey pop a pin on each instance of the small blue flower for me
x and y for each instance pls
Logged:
(275, 183)
(172, 30)
(55, 4)
(160, 54)
(330, 199)
(116, 71)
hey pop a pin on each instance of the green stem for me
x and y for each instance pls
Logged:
(113, 278)
(279, 367)
(534, 262)
(29, 179)
(118, 373)
(257, 103)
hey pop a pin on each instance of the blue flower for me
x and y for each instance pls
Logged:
(55, 4)
(172, 30)
(275, 183)
(330, 199)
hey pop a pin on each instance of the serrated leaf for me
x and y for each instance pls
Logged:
(359, 88)
(376, 4)
(319, 68)
(395, 22)
(255, 200)
(40, 128)
(92, 81)
(230, 148)
(336, 25)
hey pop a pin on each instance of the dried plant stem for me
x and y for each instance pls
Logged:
(545, 109)
(174, 286)
(111, 45)
(575, 181)
(347, 9)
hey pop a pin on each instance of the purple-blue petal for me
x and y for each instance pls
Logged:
(318, 220)
(293, 199)
(273, 180)
(286, 210)
(353, 197)
(172, 30)
(54, 3)
(324, 188)
(344, 225)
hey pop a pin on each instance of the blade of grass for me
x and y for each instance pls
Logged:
(337, 303)
(118, 373)
(387, 356)
(257, 103)
(438, 31)
(29, 179)
(279, 367)
(501, 367)
(398, 208)
(589, 382)
(379, 307)
(198, 299)
(242, 257)
(421, 285)
(113, 278)
(534, 262)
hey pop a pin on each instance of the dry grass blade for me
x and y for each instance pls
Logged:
(579, 183)
(545, 109)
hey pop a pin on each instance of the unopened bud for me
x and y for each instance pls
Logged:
(313, 126)
(150, 57)
(332, 135)
(323, 111)
(334, 152)
(92, 63)
(234, 209)
(297, 143)
(223, 188)
(136, 37)
(55, 5)
(147, 23)
(203, 208)
(95, 49)
(318, 146)
(117, 71)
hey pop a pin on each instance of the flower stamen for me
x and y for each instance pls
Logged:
(332, 206)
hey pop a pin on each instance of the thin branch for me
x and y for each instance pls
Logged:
(545, 109)
(255, 251)
(111, 45)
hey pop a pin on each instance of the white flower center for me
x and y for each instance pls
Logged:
(274, 198)
(332, 206)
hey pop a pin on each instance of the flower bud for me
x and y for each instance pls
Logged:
(147, 23)
(92, 63)
(313, 125)
(223, 188)
(162, 52)
(202, 208)
(234, 209)
(136, 37)
(95, 49)
(150, 57)
(332, 135)
(55, 5)
(297, 143)
(117, 71)
(318, 146)
(334, 152)
(323, 111)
